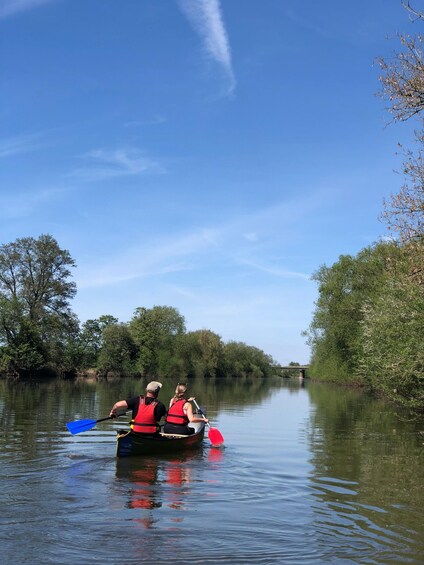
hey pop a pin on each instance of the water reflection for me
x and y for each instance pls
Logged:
(319, 474)
(154, 482)
(366, 470)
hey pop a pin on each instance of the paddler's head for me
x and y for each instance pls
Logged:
(153, 388)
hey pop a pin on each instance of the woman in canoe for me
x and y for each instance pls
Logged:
(180, 413)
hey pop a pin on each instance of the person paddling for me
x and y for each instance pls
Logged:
(147, 411)
(180, 413)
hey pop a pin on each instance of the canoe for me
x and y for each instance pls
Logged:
(133, 444)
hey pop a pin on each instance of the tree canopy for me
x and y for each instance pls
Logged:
(39, 332)
(36, 322)
(368, 325)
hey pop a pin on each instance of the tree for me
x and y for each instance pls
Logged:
(403, 88)
(344, 288)
(242, 360)
(392, 356)
(35, 273)
(415, 13)
(118, 353)
(154, 332)
(91, 338)
(393, 324)
(35, 291)
(200, 353)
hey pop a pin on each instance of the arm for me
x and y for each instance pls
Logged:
(119, 408)
(191, 416)
(160, 411)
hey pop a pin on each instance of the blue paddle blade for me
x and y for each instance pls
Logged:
(81, 426)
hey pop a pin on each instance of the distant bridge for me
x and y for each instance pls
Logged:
(301, 369)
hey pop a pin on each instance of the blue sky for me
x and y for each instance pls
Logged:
(203, 154)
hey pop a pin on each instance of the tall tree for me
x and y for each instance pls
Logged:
(118, 352)
(344, 289)
(35, 294)
(35, 273)
(91, 338)
(402, 82)
(154, 331)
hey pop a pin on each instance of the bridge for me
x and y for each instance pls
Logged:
(301, 369)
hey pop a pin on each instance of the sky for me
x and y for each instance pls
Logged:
(208, 155)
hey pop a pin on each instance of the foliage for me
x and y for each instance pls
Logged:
(392, 359)
(403, 88)
(39, 331)
(154, 332)
(287, 373)
(243, 360)
(201, 354)
(369, 319)
(344, 288)
(118, 352)
(35, 318)
(368, 324)
(91, 339)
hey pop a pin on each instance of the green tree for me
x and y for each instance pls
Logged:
(119, 352)
(394, 323)
(344, 289)
(91, 338)
(35, 294)
(392, 356)
(242, 360)
(403, 89)
(200, 354)
(154, 332)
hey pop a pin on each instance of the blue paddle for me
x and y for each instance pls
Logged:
(84, 425)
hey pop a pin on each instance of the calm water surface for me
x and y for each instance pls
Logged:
(310, 474)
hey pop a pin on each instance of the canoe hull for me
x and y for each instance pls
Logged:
(131, 444)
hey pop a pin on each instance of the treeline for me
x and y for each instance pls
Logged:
(39, 333)
(368, 325)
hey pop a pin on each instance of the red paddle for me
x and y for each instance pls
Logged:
(215, 436)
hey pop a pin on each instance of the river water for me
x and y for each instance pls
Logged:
(309, 474)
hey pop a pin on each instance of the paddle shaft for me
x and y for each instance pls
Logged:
(107, 418)
(200, 412)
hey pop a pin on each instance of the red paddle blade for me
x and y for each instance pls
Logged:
(215, 436)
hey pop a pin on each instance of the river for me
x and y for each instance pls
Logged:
(309, 474)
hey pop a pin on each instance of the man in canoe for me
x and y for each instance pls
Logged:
(180, 413)
(147, 410)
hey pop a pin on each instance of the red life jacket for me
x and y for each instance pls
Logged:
(144, 421)
(176, 413)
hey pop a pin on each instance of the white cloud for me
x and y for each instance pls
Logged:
(103, 164)
(155, 120)
(251, 236)
(20, 205)
(275, 271)
(19, 144)
(198, 249)
(173, 254)
(206, 18)
(11, 7)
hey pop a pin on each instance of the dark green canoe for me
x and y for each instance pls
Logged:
(133, 444)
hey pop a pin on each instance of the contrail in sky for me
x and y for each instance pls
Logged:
(10, 7)
(206, 18)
